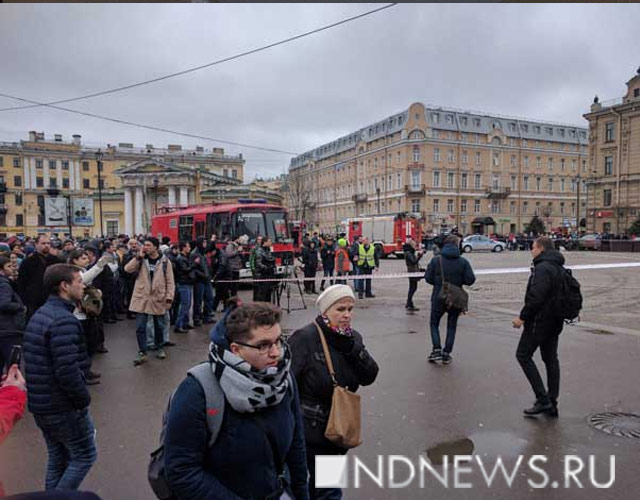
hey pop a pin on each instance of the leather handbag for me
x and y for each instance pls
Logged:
(344, 425)
(454, 296)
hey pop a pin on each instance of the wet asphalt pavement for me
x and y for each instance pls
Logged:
(473, 405)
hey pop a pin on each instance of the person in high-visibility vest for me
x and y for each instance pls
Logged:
(368, 260)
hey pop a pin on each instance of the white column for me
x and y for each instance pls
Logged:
(59, 174)
(33, 172)
(72, 175)
(27, 174)
(128, 211)
(139, 208)
(172, 195)
(45, 170)
(184, 196)
(78, 176)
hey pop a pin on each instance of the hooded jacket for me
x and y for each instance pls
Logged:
(31, 279)
(541, 287)
(457, 270)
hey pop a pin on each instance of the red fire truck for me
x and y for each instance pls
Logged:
(250, 218)
(389, 232)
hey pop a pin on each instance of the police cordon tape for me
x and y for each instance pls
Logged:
(477, 272)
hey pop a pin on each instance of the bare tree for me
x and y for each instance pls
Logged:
(300, 195)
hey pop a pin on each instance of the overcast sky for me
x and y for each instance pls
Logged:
(541, 61)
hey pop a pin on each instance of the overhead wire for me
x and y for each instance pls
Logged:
(208, 65)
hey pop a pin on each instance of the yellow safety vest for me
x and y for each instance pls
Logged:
(366, 255)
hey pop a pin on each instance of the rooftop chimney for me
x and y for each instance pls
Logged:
(32, 135)
(77, 139)
(57, 137)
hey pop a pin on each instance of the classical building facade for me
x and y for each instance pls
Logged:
(449, 167)
(614, 159)
(133, 181)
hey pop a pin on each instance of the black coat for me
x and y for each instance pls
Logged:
(352, 363)
(55, 359)
(457, 270)
(411, 258)
(545, 278)
(328, 256)
(265, 263)
(12, 310)
(183, 272)
(310, 258)
(31, 279)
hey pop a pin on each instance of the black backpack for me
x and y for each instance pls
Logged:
(568, 299)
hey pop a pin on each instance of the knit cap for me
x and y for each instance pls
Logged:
(332, 295)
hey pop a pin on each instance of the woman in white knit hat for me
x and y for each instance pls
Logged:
(353, 366)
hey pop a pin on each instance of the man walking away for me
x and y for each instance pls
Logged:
(58, 397)
(328, 256)
(541, 326)
(458, 272)
(152, 295)
(412, 260)
(342, 262)
(368, 260)
(31, 274)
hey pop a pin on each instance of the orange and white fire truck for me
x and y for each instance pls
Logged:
(389, 232)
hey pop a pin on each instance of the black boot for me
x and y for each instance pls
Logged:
(539, 407)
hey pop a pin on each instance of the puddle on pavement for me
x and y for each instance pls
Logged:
(600, 332)
(485, 444)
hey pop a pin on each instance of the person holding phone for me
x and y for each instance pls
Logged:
(13, 313)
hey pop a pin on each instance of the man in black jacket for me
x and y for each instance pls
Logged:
(54, 368)
(31, 274)
(328, 256)
(412, 260)
(184, 276)
(457, 271)
(202, 289)
(265, 268)
(541, 326)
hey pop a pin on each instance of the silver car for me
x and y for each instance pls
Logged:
(481, 242)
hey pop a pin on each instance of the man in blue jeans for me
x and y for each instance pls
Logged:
(457, 271)
(55, 362)
(185, 280)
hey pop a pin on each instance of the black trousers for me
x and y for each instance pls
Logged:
(310, 272)
(413, 287)
(534, 337)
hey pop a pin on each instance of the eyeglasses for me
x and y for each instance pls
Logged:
(265, 348)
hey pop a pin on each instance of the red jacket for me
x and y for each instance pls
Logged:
(12, 401)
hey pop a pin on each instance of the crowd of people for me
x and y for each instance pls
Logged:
(277, 396)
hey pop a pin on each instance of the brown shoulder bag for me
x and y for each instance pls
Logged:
(343, 426)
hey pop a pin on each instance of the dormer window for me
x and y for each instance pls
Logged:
(435, 117)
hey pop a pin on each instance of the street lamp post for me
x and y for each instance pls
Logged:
(99, 155)
(378, 202)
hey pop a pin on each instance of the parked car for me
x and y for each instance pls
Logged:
(589, 242)
(480, 242)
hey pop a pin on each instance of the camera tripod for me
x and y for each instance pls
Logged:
(285, 286)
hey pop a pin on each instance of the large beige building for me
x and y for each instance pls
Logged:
(135, 181)
(451, 167)
(614, 159)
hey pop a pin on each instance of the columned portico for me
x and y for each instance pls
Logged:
(139, 209)
(128, 211)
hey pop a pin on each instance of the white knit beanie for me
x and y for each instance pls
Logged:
(332, 295)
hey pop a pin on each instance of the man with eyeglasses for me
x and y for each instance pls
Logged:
(259, 451)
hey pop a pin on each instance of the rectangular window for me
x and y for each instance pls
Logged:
(463, 206)
(550, 183)
(86, 183)
(16, 162)
(234, 174)
(436, 154)
(451, 180)
(18, 199)
(416, 155)
(17, 181)
(478, 181)
(573, 165)
(513, 160)
(525, 207)
(399, 180)
(478, 158)
(39, 164)
(495, 207)
(65, 165)
(451, 156)
(450, 206)
(513, 182)
(476, 206)
(562, 208)
(52, 182)
(415, 206)
(608, 165)
(225, 172)
(561, 164)
(538, 162)
(52, 164)
(416, 178)
(562, 185)
(436, 206)
(525, 183)
(19, 220)
(538, 183)
(465, 157)
(512, 207)
(550, 163)
(495, 181)
(85, 166)
(609, 132)
(526, 161)
(65, 183)
(39, 182)
(398, 158)
(436, 179)
(606, 197)
(463, 180)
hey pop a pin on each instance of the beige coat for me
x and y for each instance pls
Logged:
(151, 298)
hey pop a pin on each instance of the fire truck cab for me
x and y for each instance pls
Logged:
(388, 232)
